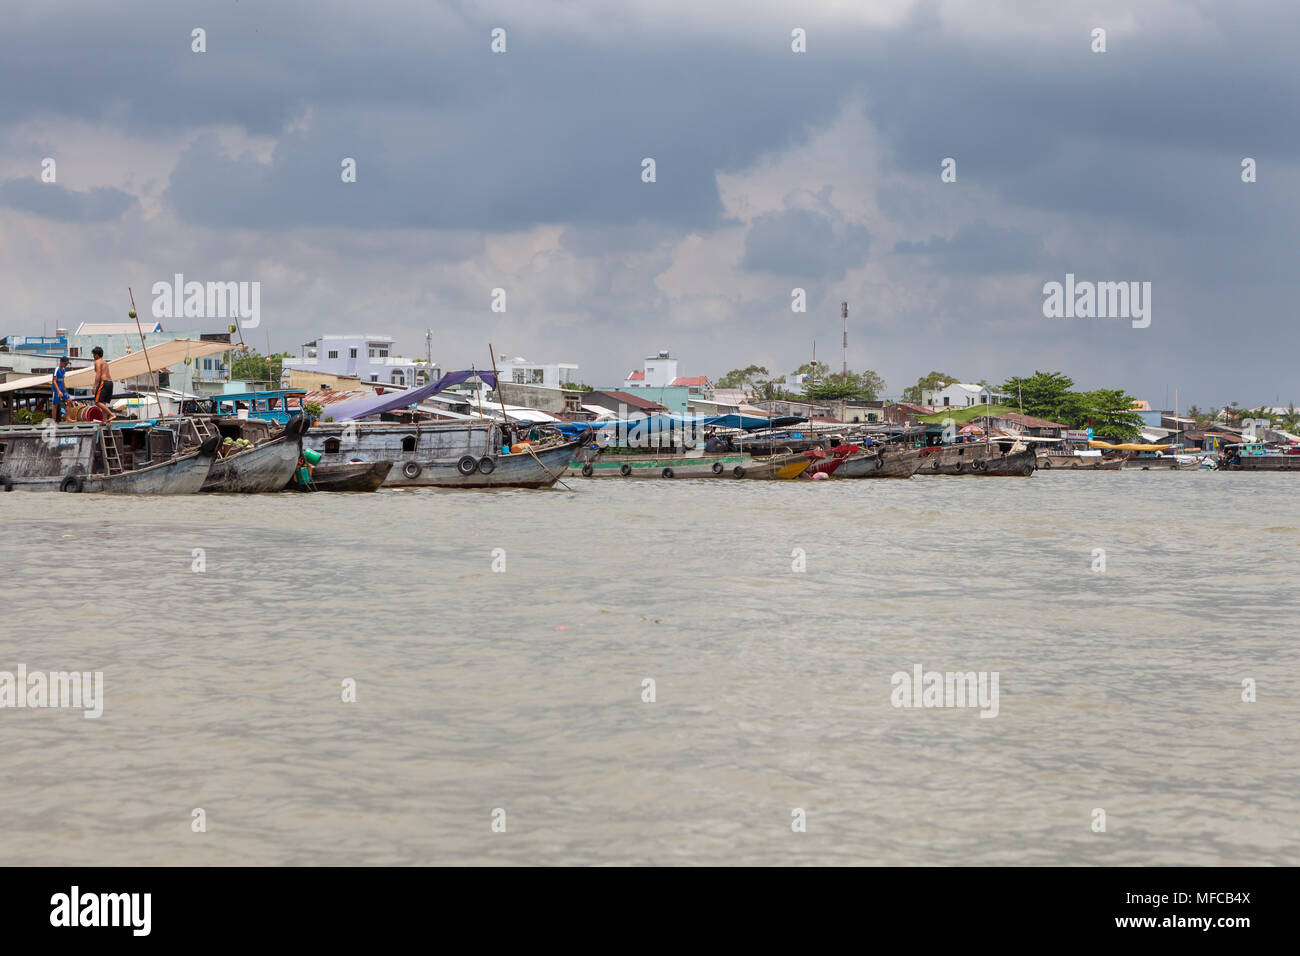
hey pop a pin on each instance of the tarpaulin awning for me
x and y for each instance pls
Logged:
(139, 363)
(392, 401)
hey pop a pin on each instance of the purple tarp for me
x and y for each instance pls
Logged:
(391, 401)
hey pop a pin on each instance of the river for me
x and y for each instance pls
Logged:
(502, 716)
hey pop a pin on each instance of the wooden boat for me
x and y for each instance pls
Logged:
(1079, 463)
(1256, 456)
(344, 476)
(439, 455)
(828, 461)
(982, 459)
(125, 458)
(265, 465)
(592, 463)
(886, 461)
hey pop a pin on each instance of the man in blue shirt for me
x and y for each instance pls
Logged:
(60, 393)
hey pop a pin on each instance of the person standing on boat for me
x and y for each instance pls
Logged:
(103, 383)
(59, 393)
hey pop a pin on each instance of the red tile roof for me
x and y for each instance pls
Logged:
(632, 401)
(635, 376)
(697, 380)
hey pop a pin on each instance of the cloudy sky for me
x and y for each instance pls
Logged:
(819, 170)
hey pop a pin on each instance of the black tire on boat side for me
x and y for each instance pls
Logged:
(467, 465)
(487, 464)
(71, 484)
(717, 468)
(739, 471)
(625, 469)
(587, 471)
(1046, 464)
(6, 484)
(1074, 464)
(667, 473)
(412, 469)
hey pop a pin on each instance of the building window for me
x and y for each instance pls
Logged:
(374, 378)
(518, 376)
(331, 446)
(74, 353)
(334, 353)
(398, 377)
(372, 353)
(408, 443)
(945, 401)
(538, 374)
(383, 353)
(352, 353)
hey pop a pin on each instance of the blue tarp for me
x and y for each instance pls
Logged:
(377, 404)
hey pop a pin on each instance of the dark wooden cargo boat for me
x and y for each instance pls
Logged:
(124, 458)
(980, 459)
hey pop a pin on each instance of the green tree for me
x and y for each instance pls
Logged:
(746, 378)
(931, 382)
(1043, 394)
(252, 366)
(862, 386)
(1109, 413)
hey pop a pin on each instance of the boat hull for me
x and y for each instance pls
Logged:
(1065, 463)
(262, 468)
(978, 460)
(522, 470)
(346, 477)
(646, 466)
(183, 475)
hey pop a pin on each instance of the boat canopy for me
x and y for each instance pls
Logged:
(391, 402)
(161, 356)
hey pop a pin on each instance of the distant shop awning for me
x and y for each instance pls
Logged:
(156, 357)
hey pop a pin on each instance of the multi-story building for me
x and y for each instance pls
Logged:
(370, 358)
(520, 371)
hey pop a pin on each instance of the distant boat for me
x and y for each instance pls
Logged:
(124, 458)
(1257, 456)
(979, 459)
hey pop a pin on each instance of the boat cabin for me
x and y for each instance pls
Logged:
(277, 405)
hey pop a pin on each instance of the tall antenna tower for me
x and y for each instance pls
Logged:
(844, 314)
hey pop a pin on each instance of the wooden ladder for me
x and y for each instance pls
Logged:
(109, 444)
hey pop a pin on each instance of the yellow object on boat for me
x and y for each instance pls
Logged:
(793, 470)
(1126, 446)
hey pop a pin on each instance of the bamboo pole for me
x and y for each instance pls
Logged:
(147, 362)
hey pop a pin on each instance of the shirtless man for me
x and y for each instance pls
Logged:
(103, 384)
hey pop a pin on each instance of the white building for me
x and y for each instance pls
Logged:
(370, 358)
(660, 371)
(961, 395)
(520, 371)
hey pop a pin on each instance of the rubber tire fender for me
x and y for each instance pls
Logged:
(587, 471)
(5, 483)
(625, 469)
(739, 471)
(666, 473)
(467, 465)
(487, 464)
(717, 468)
(412, 470)
(71, 484)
